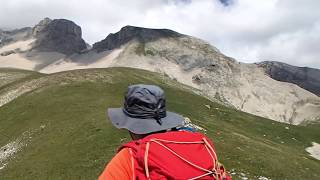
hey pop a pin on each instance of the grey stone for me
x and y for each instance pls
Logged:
(305, 77)
(128, 33)
(36, 30)
(7, 53)
(58, 35)
(11, 36)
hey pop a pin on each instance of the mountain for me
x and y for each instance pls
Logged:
(191, 61)
(59, 35)
(306, 78)
(129, 33)
(55, 127)
(7, 37)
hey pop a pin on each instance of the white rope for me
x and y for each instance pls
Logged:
(146, 160)
(211, 148)
(203, 175)
(179, 142)
(213, 161)
(192, 164)
(205, 142)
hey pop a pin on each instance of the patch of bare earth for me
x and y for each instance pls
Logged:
(9, 150)
(314, 150)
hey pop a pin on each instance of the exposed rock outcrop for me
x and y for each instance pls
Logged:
(7, 53)
(128, 33)
(7, 37)
(306, 78)
(58, 35)
(37, 29)
(186, 59)
(244, 86)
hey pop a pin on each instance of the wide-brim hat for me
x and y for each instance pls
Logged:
(144, 111)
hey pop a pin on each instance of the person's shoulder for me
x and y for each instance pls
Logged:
(122, 156)
(119, 167)
(124, 152)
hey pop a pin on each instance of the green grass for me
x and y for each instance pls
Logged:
(76, 139)
(15, 76)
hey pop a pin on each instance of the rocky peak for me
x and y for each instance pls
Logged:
(58, 35)
(306, 78)
(40, 26)
(128, 33)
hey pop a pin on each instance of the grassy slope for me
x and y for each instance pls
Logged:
(77, 141)
(9, 77)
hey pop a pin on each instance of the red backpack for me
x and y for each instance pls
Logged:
(175, 155)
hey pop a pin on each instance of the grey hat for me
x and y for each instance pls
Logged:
(144, 111)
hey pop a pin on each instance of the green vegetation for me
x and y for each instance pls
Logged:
(9, 77)
(68, 136)
(140, 49)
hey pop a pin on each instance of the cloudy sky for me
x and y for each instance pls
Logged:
(248, 30)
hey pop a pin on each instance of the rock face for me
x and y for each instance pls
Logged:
(189, 60)
(37, 29)
(196, 63)
(59, 35)
(7, 37)
(306, 78)
(129, 33)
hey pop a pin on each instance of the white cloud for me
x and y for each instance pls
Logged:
(249, 30)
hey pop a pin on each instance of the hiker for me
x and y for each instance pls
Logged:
(160, 148)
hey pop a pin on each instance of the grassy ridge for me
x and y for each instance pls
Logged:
(68, 136)
(9, 77)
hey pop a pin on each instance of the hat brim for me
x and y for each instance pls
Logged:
(143, 126)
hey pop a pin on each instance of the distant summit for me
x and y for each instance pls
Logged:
(128, 33)
(306, 78)
(37, 29)
(56, 45)
(59, 35)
